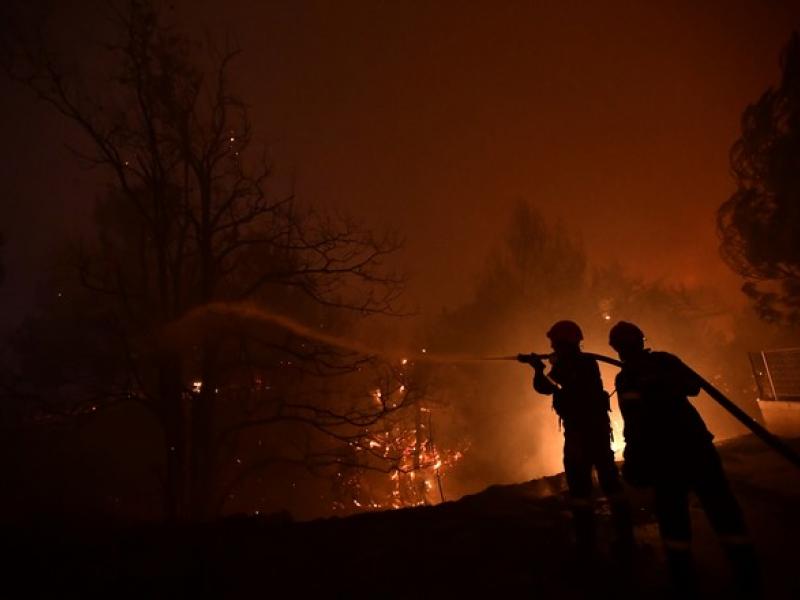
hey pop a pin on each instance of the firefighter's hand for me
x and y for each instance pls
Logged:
(532, 360)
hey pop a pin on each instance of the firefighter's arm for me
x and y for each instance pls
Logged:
(685, 378)
(593, 379)
(542, 383)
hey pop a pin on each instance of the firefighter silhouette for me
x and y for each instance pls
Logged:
(582, 406)
(668, 447)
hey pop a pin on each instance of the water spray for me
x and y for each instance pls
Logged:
(253, 313)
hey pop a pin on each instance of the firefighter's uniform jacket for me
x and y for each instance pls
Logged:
(668, 446)
(582, 406)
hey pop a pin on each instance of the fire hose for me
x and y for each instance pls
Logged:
(759, 430)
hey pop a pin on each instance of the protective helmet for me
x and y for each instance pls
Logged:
(565, 332)
(625, 335)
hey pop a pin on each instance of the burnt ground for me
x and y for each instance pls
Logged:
(507, 541)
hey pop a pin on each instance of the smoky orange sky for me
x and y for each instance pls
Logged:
(434, 118)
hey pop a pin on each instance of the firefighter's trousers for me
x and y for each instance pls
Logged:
(584, 450)
(700, 471)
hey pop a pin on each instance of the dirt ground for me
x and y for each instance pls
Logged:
(507, 541)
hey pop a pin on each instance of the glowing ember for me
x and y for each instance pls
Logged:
(412, 482)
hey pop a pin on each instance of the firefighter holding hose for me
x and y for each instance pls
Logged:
(668, 447)
(582, 406)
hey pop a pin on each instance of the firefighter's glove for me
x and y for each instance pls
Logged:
(532, 360)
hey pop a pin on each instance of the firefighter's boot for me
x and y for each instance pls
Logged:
(622, 519)
(681, 567)
(746, 572)
(583, 520)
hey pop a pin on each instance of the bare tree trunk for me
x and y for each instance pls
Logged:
(171, 392)
(419, 440)
(203, 455)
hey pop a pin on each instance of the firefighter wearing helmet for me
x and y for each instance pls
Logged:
(668, 447)
(582, 406)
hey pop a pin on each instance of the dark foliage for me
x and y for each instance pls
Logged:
(190, 220)
(759, 225)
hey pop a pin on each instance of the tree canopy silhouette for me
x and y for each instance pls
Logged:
(759, 225)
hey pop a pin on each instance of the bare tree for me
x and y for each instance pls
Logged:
(190, 221)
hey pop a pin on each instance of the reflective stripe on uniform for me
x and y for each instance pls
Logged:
(671, 544)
